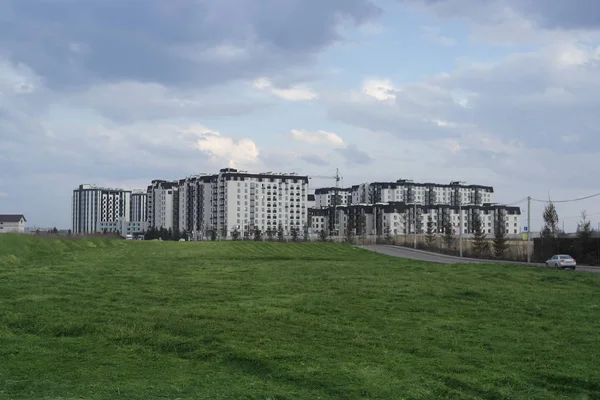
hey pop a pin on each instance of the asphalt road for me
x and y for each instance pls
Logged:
(404, 252)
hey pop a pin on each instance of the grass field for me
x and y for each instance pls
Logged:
(106, 319)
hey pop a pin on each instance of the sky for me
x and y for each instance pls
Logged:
(118, 93)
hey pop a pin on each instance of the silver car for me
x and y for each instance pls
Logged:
(561, 261)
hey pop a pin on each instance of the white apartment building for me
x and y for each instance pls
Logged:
(162, 208)
(245, 201)
(328, 197)
(12, 223)
(402, 218)
(195, 195)
(97, 209)
(408, 191)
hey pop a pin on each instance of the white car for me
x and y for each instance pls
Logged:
(561, 261)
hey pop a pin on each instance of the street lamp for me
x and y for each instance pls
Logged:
(460, 219)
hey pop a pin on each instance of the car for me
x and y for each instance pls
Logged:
(561, 261)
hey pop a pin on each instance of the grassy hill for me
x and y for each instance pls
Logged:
(109, 319)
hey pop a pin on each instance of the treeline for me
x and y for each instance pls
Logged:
(165, 234)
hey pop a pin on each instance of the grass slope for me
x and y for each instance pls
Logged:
(102, 319)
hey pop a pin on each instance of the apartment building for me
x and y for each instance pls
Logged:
(402, 218)
(98, 209)
(195, 194)
(162, 204)
(407, 191)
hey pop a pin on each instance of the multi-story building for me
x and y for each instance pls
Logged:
(162, 208)
(402, 218)
(138, 212)
(233, 200)
(407, 191)
(97, 209)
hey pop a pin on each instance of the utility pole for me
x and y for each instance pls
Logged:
(528, 229)
(460, 228)
(415, 231)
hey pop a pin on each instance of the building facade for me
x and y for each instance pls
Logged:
(406, 191)
(162, 204)
(400, 218)
(97, 210)
(12, 223)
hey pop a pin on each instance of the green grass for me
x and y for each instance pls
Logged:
(102, 319)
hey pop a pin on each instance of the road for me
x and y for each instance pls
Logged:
(404, 252)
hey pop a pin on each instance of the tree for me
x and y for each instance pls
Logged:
(235, 235)
(257, 234)
(361, 228)
(584, 228)
(213, 234)
(500, 242)
(270, 233)
(55, 231)
(280, 233)
(184, 235)
(69, 232)
(323, 236)
(481, 245)
(176, 235)
(169, 234)
(430, 233)
(295, 233)
(247, 232)
(449, 233)
(550, 216)
(305, 236)
(388, 237)
(349, 230)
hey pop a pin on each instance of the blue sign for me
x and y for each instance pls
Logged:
(525, 229)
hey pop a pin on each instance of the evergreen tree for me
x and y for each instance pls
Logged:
(584, 228)
(257, 234)
(323, 236)
(449, 234)
(184, 235)
(550, 216)
(270, 234)
(235, 235)
(430, 233)
(280, 233)
(362, 227)
(213, 234)
(294, 233)
(305, 236)
(69, 233)
(500, 242)
(176, 235)
(481, 245)
(349, 230)
(247, 232)
(388, 237)
(169, 234)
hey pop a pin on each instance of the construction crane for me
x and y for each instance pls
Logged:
(337, 177)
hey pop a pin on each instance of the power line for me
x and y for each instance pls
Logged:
(568, 201)
(514, 203)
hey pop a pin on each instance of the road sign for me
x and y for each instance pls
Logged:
(525, 229)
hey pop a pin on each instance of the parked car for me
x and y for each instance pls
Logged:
(561, 261)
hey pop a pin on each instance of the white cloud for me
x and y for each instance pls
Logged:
(293, 93)
(318, 138)
(2, 194)
(237, 153)
(380, 89)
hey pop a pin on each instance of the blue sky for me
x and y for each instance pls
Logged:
(497, 92)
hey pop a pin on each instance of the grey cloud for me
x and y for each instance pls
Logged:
(353, 155)
(552, 14)
(83, 42)
(314, 159)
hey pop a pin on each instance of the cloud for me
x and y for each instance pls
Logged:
(516, 21)
(432, 33)
(2, 194)
(353, 155)
(314, 159)
(320, 137)
(379, 89)
(203, 42)
(237, 153)
(293, 93)
(516, 117)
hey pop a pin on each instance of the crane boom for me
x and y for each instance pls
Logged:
(337, 177)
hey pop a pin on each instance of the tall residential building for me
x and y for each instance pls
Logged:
(138, 210)
(162, 209)
(402, 218)
(407, 191)
(97, 209)
(238, 200)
